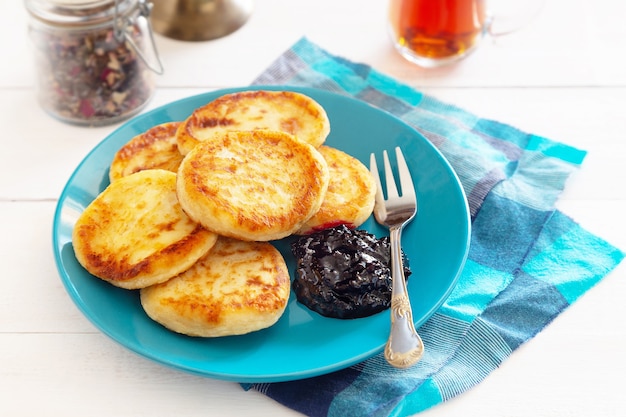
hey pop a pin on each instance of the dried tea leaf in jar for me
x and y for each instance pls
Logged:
(92, 58)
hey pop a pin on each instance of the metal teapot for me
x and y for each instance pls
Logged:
(199, 20)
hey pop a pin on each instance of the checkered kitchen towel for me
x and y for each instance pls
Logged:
(527, 261)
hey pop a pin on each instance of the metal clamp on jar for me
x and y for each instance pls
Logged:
(96, 59)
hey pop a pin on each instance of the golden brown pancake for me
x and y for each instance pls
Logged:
(237, 288)
(135, 234)
(258, 185)
(156, 148)
(350, 195)
(285, 111)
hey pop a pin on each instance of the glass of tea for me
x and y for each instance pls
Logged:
(432, 33)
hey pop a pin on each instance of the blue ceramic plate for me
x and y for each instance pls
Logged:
(302, 344)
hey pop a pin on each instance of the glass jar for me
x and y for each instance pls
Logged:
(95, 59)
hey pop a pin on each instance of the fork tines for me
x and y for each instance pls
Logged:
(406, 183)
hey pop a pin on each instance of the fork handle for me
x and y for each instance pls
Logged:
(404, 346)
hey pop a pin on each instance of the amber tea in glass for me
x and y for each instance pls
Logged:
(434, 32)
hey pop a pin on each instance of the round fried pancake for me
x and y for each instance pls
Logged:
(237, 288)
(285, 111)
(135, 233)
(350, 195)
(258, 185)
(156, 148)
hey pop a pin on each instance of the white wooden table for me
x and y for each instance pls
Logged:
(563, 77)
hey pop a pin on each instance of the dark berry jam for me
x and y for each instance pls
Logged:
(343, 273)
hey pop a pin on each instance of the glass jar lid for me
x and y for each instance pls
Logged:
(74, 13)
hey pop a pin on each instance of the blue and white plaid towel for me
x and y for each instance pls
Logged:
(527, 261)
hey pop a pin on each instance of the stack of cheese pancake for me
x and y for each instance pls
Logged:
(193, 205)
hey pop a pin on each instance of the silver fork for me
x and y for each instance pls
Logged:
(404, 346)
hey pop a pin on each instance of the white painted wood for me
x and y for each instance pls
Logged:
(563, 77)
